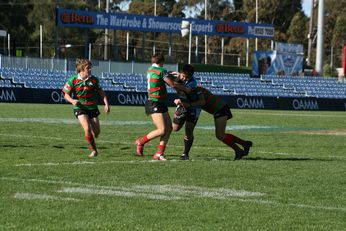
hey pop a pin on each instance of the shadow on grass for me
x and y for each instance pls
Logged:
(16, 146)
(58, 146)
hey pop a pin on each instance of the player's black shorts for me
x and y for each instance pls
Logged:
(224, 111)
(91, 113)
(152, 107)
(181, 115)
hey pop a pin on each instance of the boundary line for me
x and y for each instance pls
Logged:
(106, 190)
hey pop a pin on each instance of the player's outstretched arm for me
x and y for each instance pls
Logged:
(178, 86)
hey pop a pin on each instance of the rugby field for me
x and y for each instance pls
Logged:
(293, 179)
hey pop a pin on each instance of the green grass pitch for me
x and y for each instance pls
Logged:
(293, 179)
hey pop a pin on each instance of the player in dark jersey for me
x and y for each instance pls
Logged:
(156, 106)
(216, 106)
(189, 116)
(86, 91)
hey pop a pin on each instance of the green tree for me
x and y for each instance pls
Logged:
(43, 13)
(333, 30)
(278, 13)
(13, 20)
(298, 29)
(239, 14)
(339, 38)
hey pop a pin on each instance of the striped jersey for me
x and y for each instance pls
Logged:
(85, 91)
(157, 90)
(213, 103)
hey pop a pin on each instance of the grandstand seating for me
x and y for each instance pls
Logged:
(218, 83)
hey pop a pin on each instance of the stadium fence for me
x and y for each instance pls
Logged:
(69, 65)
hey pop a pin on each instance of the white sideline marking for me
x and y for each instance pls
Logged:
(158, 192)
(288, 154)
(96, 189)
(275, 153)
(62, 139)
(121, 122)
(166, 192)
(34, 196)
(218, 193)
(237, 127)
(149, 161)
(87, 162)
(290, 114)
(71, 121)
(122, 193)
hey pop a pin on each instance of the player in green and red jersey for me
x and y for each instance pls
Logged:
(86, 91)
(156, 106)
(216, 106)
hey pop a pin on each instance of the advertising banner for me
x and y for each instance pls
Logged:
(134, 22)
(263, 63)
(56, 96)
(289, 48)
(286, 60)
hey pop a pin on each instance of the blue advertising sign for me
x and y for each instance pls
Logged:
(289, 48)
(263, 63)
(123, 21)
(277, 63)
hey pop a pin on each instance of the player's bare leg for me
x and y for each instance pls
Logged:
(95, 126)
(228, 139)
(164, 129)
(86, 124)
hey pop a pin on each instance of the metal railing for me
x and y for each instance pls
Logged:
(69, 65)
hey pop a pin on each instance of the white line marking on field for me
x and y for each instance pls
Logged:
(123, 122)
(156, 191)
(149, 161)
(290, 154)
(216, 193)
(159, 192)
(166, 192)
(60, 138)
(275, 153)
(71, 121)
(34, 196)
(308, 114)
(87, 163)
(123, 193)
(237, 127)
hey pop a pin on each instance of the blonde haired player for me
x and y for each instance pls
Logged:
(86, 91)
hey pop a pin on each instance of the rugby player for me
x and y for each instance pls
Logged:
(156, 106)
(86, 91)
(187, 117)
(221, 112)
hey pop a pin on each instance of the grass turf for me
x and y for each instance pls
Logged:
(293, 179)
